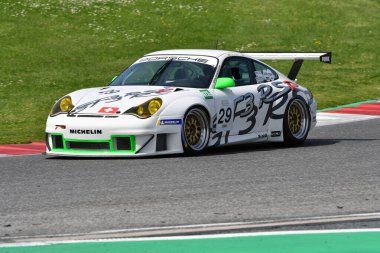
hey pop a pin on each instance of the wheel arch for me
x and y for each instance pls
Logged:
(197, 111)
(276, 125)
(304, 99)
(289, 139)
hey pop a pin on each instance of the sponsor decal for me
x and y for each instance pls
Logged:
(92, 103)
(276, 133)
(85, 131)
(325, 58)
(264, 135)
(150, 93)
(270, 93)
(268, 75)
(109, 91)
(259, 76)
(109, 110)
(165, 90)
(176, 58)
(206, 94)
(212, 61)
(243, 110)
(264, 75)
(170, 122)
(118, 97)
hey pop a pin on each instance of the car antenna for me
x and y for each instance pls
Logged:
(217, 43)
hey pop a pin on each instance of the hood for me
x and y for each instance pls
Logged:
(118, 99)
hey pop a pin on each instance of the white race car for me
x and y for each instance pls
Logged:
(178, 101)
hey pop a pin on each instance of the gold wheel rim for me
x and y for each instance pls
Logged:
(294, 118)
(193, 130)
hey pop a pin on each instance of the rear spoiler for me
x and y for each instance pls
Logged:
(298, 59)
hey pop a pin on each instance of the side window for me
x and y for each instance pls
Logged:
(239, 69)
(263, 73)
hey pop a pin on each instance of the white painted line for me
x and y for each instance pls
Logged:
(194, 237)
(165, 232)
(326, 119)
(267, 222)
(172, 227)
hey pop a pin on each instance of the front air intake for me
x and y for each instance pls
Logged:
(57, 141)
(161, 142)
(87, 145)
(117, 145)
(123, 143)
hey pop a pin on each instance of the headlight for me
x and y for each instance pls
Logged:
(146, 109)
(64, 105)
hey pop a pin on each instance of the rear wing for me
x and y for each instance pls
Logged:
(298, 59)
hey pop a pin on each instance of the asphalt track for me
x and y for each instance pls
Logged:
(336, 172)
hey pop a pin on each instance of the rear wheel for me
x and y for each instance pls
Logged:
(296, 122)
(195, 131)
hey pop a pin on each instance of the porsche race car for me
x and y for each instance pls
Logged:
(177, 101)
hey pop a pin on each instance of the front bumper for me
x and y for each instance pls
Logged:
(121, 135)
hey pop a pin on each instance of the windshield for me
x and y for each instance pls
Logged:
(169, 72)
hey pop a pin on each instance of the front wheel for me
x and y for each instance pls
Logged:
(195, 131)
(296, 122)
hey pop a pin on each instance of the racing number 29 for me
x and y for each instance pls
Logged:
(225, 115)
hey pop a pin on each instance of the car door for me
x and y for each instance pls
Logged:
(236, 107)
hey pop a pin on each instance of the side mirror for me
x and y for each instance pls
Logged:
(224, 82)
(113, 78)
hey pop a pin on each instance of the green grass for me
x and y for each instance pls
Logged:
(51, 47)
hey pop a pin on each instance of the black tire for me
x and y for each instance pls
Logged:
(195, 131)
(296, 123)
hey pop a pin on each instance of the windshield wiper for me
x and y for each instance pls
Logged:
(157, 75)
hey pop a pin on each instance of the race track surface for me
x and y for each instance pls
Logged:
(336, 172)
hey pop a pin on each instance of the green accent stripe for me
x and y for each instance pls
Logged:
(368, 242)
(111, 143)
(349, 105)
